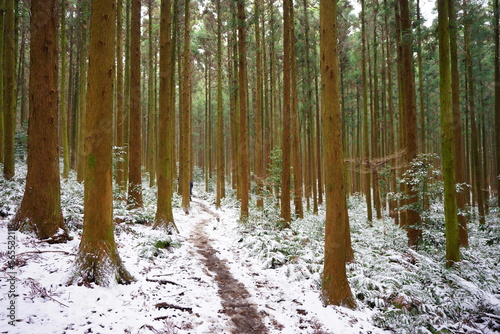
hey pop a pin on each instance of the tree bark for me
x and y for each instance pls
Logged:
(457, 126)
(134, 199)
(244, 168)
(287, 101)
(335, 286)
(410, 121)
(221, 182)
(9, 92)
(447, 145)
(97, 258)
(41, 204)
(185, 128)
(164, 215)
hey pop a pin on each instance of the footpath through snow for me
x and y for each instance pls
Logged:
(207, 285)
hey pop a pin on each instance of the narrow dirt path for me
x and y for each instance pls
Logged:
(234, 296)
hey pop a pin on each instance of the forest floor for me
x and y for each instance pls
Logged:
(199, 281)
(221, 275)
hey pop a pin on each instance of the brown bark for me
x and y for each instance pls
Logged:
(497, 95)
(97, 258)
(410, 119)
(457, 126)
(287, 101)
(244, 168)
(259, 161)
(134, 199)
(335, 286)
(164, 215)
(296, 149)
(9, 92)
(185, 128)
(41, 204)
(221, 182)
(120, 110)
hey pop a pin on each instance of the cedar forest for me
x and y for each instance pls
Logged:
(292, 108)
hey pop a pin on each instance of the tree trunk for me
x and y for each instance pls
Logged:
(97, 258)
(244, 169)
(152, 138)
(457, 126)
(221, 183)
(366, 144)
(497, 95)
(447, 134)
(410, 121)
(335, 286)
(287, 100)
(259, 161)
(476, 163)
(41, 204)
(134, 199)
(296, 149)
(63, 105)
(120, 110)
(164, 215)
(9, 92)
(2, 77)
(185, 129)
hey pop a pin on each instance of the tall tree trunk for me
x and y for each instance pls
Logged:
(9, 92)
(497, 94)
(457, 126)
(335, 286)
(244, 168)
(259, 171)
(375, 122)
(2, 77)
(420, 79)
(82, 91)
(63, 106)
(296, 149)
(152, 138)
(366, 144)
(41, 204)
(134, 199)
(287, 100)
(120, 110)
(164, 215)
(476, 168)
(410, 121)
(447, 145)
(221, 183)
(97, 258)
(185, 129)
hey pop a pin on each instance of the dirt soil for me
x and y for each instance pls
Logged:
(232, 292)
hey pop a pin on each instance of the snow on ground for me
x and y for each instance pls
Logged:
(178, 289)
(45, 304)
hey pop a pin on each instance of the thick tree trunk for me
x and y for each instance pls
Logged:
(164, 215)
(410, 121)
(97, 259)
(41, 204)
(335, 286)
(447, 134)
